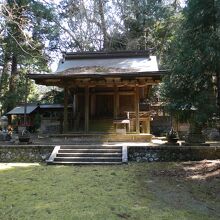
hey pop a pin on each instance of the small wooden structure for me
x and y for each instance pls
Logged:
(105, 89)
(49, 117)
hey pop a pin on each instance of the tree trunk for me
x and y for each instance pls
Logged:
(217, 71)
(14, 72)
(218, 91)
(218, 95)
(12, 84)
(103, 25)
(5, 73)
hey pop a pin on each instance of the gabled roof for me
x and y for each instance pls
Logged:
(97, 65)
(107, 65)
(106, 62)
(19, 110)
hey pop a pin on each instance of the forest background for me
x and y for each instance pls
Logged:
(184, 35)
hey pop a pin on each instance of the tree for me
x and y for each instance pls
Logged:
(188, 89)
(28, 27)
(85, 24)
(217, 50)
(53, 96)
(149, 24)
(118, 24)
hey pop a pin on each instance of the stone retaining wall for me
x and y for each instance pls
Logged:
(173, 153)
(33, 153)
(26, 153)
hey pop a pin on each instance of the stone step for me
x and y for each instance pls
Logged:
(86, 154)
(82, 163)
(87, 146)
(89, 154)
(88, 159)
(90, 151)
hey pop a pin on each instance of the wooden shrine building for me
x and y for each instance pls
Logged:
(107, 90)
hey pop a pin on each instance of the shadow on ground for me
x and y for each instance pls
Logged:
(134, 191)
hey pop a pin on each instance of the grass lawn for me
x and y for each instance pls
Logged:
(134, 191)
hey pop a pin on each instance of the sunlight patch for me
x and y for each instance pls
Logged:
(5, 166)
(203, 169)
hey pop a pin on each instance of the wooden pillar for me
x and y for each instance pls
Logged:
(142, 96)
(116, 102)
(65, 113)
(86, 109)
(136, 102)
(93, 104)
(148, 125)
(74, 105)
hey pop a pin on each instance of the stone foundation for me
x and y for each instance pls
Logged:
(26, 153)
(34, 153)
(173, 153)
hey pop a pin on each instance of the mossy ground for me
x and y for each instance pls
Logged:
(134, 191)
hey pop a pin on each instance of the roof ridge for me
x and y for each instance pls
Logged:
(107, 54)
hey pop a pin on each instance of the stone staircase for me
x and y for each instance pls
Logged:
(88, 154)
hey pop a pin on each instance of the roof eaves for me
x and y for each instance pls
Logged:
(94, 75)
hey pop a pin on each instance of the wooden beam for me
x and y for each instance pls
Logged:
(110, 93)
(86, 109)
(103, 81)
(65, 113)
(136, 102)
(126, 93)
(116, 102)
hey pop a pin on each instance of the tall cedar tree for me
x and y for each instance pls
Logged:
(28, 27)
(194, 59)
